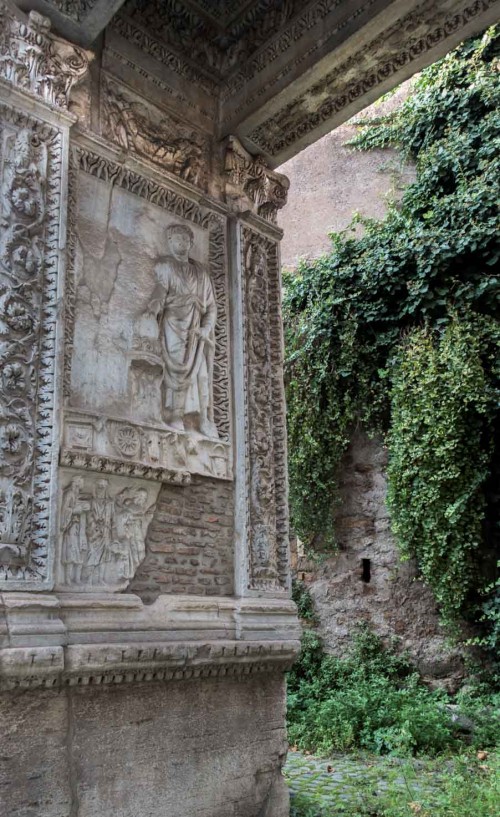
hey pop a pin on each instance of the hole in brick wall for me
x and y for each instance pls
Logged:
(366, 570)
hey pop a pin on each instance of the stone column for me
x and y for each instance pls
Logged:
(145, 619)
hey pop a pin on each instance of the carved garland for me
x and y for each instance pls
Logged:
(267, 508)
(160, 195)
(291, 127)
(31, 183)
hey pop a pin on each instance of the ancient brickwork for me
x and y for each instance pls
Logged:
(189, 547)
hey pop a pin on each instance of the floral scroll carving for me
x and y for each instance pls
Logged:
(34, 59)
(31, 160)
(250, 181)
(266, 443)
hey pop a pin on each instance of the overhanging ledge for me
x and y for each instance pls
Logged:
(69, 640)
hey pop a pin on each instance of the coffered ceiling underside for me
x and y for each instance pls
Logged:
(283, 72)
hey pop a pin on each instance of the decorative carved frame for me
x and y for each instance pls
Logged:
(161, 194)
(266, 487)
(35, 569)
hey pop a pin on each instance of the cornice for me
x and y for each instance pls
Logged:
(69, 639)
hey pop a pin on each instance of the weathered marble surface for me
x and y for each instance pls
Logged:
(144, 570)
(211, 746)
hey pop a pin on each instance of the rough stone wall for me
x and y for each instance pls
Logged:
(330, 181)
(190, 542)
(207, 748)
(366, 581)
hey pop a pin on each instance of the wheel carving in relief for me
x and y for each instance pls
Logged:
(128, 441)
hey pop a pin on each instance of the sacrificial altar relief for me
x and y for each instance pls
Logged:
(148, 378)
(102, 531)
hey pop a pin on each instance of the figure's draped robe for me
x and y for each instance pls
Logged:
(184, 303)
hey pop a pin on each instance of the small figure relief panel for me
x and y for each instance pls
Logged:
(103, 524)
(148, 374)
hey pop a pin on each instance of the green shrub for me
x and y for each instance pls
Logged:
(303, 599)
(371, 699)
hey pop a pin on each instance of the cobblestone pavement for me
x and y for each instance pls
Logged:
(346, 780)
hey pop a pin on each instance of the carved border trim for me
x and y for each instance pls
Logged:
(109, 465)
(276, 456)
(36, 570)
(160, 52)
(162, 196)
(282, 42)
(412, 50)
(105, 664)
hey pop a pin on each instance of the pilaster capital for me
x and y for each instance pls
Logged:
(251, 184)
(36, 60)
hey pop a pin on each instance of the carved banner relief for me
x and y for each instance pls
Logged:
(30, 172)
(267, 510)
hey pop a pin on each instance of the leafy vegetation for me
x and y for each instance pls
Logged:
(303, 599)
(398, 330)
(370, 699)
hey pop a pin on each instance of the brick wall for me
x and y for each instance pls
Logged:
(189, 546)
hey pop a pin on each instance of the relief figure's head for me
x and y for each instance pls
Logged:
(180, 239)
(101, 488)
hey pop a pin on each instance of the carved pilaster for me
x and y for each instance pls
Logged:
(261, 471)
(31, 161)
(37, 72)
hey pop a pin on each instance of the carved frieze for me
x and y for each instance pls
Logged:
(144, 130)
(97, 443)
(267, 512)
(251, 184)
(203, 41)
(31, 155)
(102, 531)
(37, 61)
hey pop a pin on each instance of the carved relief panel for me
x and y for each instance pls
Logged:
(265, 467)
(30, 178)
(102, 530)
(146, 370)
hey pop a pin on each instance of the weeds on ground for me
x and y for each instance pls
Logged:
(466, 786)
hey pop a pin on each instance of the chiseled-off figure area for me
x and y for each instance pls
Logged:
(145, 620)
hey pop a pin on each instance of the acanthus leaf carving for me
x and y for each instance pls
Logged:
(251, 182)
(34, 59)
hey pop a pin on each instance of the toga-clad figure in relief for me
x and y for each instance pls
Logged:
(184, 305)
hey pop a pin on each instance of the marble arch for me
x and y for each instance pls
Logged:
(145, 619)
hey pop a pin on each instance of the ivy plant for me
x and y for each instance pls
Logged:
(397, 329)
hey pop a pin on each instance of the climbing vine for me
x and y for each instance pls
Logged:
(397, 329)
